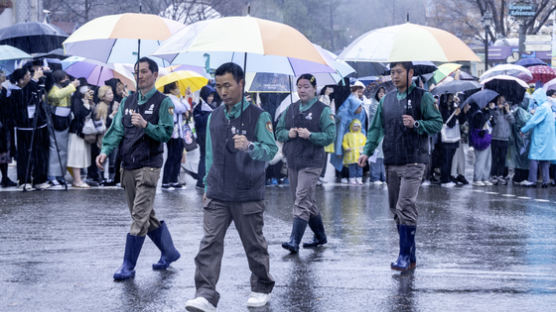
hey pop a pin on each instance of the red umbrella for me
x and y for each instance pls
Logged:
(542, 73)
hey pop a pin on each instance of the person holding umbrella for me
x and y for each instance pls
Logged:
(145, 120)
(405, 118)
(239, 142)
(543, 140)
(305, 128)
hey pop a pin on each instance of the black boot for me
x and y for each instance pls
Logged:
(133, 246)
(298, 228)
(6, 182)
(315, 223)
(163, 240)
(403, 261)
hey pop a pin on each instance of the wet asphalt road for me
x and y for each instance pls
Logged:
(478, 249)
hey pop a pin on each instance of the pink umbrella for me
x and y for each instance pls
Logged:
(542, 73)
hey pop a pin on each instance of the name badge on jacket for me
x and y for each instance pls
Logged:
(62, 111)
(31, 111)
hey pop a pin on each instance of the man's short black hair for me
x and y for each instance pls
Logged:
(231, 68)
(153, 67)
(18, 74)
(406, 65)
(550, 92)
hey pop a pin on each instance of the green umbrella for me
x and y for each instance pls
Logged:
(444, 71)
(8, 52)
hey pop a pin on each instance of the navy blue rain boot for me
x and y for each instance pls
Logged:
(403, 262)
(163, 240)
(315, 223)
(412, 258)
(298, 228)
(133, 246)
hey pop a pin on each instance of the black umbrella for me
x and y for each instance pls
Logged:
(33, 37)
(456, 86)
(512, 88)
(368, 68)
(420, 68)
(481, 98)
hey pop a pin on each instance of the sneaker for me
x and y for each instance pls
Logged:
(478, 183)
(345, 181)
(377, 182)
(493, 180)
(199, 304)
(167, 186)
(487, 183)
(42, 186)
(359, 181)
(55, 185)
(426, 183)
(449, 184)
(322, 180)
(352, 181)
(502, 181)
(92, 182)
(273, 181)
(26, 187)
(462, 179)
(286, 181)
(258, 299)
(528, 183)
(6, 182)
(177, 185)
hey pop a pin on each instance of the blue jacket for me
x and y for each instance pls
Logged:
(543, 140)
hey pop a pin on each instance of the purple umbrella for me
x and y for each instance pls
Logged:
(96, 72)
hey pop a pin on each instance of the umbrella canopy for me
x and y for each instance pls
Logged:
(512, 88)
(96, 72)
(342, 67)
(114, 38)
(368, 68)
(420, 68)
(531, 61)
(184, 78)
(542, 73)
(8, 52)
(444, 71)
(509, 70)
(481, 98)
(551, 85)
(408, 42)
(456, 86)
(33, 37)
(243, 34)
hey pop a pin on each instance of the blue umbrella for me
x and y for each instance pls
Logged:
(530, 61)
(481, 98)
(33, 37)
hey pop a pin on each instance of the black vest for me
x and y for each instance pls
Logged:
(138, 149)
(234, 176)
(403, 145)
(302, 153)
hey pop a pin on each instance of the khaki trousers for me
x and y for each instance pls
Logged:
(303, 183)
(248, 220)
(140, 188)
(403, 187)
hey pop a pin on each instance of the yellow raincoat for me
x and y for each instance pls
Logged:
(353, 144)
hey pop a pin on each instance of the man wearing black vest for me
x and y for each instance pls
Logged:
(239, 140)
(405, 118)
(145, 120)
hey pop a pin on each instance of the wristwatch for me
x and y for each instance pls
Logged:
(416, 124)
(250, 147)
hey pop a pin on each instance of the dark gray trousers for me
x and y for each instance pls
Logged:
(248, 220)
(403, 186)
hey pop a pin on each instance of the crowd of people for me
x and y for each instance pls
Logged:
(66, 130)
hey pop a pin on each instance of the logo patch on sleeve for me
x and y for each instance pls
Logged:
(171, 111)
(269, 126)
(332, 117)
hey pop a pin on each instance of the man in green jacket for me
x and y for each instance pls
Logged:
(145, 120)
(239, 142)
(405, 118)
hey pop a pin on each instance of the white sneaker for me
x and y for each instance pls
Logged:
(527, 183)
(359, 180)
(27, 187)
(478, 183)
(487, 183)
(352, 181)
(258, 299)
(426, 183)
(345, 180)
(449, 184)
(377, 182)
(199, 304)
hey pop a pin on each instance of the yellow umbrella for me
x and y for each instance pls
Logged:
(184, 78)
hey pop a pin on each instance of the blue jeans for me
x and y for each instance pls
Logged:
(355, 171)
(377, 170)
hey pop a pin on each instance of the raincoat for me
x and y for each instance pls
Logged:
(543, 140)
(346, 114)
(353, 143)
(518, 144)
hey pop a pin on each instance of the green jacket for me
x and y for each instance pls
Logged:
(161, 132)
(430, 124)
(264, 148)
(327, 124)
